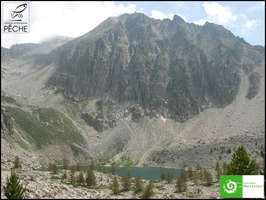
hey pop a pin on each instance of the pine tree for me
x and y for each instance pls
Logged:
(224, 168)
(138, 185)
(54, 169)
(78, 167)
(189, 173)
(126, 181)
(115, 186)
(90, 179)
(181, 185)
(183, 174)
(72, 177)
(91, 164)
(207, 177)
(262, 170)
(113, 169)
(104, 170)
(81, 179)
(218, 171)
(241, 163)
(201, 175)
(195, 177)
(65, 164)
(17, 163)
(13, 189)
(64, 176)
(169, 178)
(163, 176)
(50, 167)
(147, 192)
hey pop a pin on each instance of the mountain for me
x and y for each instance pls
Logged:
(159, 92)
(169, 67)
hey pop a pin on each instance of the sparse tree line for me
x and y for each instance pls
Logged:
(241, 164)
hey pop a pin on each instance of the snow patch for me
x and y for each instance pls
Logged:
(164, 119)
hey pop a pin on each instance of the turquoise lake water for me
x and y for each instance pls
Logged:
(151, 173)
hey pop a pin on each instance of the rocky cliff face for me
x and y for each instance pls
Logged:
(6, 122)
(170, 67)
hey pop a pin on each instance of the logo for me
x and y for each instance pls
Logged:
(15, 17)
(238, 186)
(230, 187)
(18, 12)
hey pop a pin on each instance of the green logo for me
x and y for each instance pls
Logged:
(231, 186)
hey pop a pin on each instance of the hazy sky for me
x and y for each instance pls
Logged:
(244, 19)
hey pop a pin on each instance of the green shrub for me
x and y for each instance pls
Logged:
(241, 163)
(13, 189)
(148, 191)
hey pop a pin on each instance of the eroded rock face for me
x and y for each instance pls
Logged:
(6, 122)
(96, 121)
(254, 80)
(168, 66)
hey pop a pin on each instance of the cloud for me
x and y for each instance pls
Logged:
(248, 25)
(65, 18)
(159, 15)
(183, 17)
(216, 13)
(200, 22)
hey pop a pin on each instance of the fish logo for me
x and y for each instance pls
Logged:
(17, 13)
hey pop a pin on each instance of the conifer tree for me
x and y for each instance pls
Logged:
(138, 185)
(201, 175)
(148, 190)
(262, 170)
(81, 178)
(115, 186)
(65, 164)
(207, 177)
(218, 171)
(126, 181)
(241, 163)
(13, 189)
(92, 164)
(183, 174)
(104, 170)
(195, 177)
(17, 163)
(162, 176)
(50, 167)
(72, 177)
(64, 176)
(224, 168)
(189, 173)
(113, 169)
(181, 185)
(169, 178)
(54, 169)
(90, 179)
(78, 167)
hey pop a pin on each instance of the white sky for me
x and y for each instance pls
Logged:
(74, 19)
(64, 18)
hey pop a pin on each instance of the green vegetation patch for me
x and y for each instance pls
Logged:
(50, 127)
(8, 99)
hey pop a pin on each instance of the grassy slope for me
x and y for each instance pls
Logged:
(52, 126)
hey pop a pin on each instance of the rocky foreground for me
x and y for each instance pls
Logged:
(42, 184)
